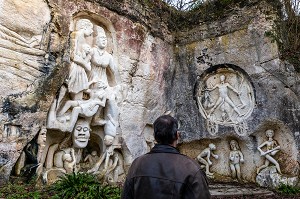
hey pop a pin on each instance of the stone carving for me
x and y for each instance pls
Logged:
(204, 158)
(31, 157)
(225, 98)
(91, 158)
(85, 101)
(80, 56)
(272, 148)
(235, 158)
(110, 165)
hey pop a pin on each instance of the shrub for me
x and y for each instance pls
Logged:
(83, 186)
(288, 189)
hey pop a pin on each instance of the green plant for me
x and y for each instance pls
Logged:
(288, 189)
(83, 186)
(19, 191)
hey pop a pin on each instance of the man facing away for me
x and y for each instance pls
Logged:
(164, 173)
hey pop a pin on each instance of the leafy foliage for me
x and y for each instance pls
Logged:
(83, 186)
(75, 186)
(289, 190)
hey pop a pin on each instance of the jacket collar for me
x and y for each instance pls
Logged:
(162, 148)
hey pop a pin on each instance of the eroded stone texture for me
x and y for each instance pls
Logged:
(222, 79)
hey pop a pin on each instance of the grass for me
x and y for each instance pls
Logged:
(75, 186)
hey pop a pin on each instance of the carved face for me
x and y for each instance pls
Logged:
(88, 29)
(212, 146)
(101, 41)
(108, 140)
(269, 133)
(42, 136)
(81, 134)
(222, 78)
(233, 145)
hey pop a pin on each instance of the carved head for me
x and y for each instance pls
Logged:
(234, 145)
(42, 136)
(212, 146)
(85, 25)
(86, 48)
(108, 140)
(81, 134)
(101, 39)
(222, 78)
(269, 133)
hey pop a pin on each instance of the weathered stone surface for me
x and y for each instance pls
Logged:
(158, 71)
(269, 177)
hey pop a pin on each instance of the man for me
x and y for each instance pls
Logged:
(164, 173)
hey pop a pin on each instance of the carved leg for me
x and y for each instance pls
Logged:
(233, 171)
(267, 162)
(238, 171)
(271, 159)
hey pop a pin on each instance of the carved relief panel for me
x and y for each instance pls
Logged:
(83, 118)
(225, 97)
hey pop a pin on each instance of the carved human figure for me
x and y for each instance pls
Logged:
(101, 59)
(69, 161)
(91, 158)
(41, 141)
(223, 95)
(115, 168)
(272, 148)
(76, 141)
(235, 158)
(206, 153)
(108, 141)
(84, 108)
(80, 56)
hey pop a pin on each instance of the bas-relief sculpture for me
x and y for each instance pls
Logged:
(235, 158)
(86, 104)
(204, 158)
(226, 98)
(272, 148)
(271, 175)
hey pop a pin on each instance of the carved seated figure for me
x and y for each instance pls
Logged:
(235, 157)
(272, 148)
(92, 158)
(206, 153)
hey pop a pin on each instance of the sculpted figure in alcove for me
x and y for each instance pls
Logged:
(31, 159)
(236, 157)
(110, 165)
(225, 98)
(87, 99)
(272, 148)
(204, 158)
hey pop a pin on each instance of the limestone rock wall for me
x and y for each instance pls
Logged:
(33, 76)
(237, 48)
(223, 80)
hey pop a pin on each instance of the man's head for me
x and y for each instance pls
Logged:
(165, 129)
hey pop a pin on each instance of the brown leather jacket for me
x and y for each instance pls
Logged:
(164, 173)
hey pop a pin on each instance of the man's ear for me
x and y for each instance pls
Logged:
(177, 135)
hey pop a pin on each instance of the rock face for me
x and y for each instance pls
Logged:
(94, 75)
(269, 177)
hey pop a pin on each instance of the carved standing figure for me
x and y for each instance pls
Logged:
(223, 95)
(206, 153)
(103, 64)
(235, 157)
(80, 56)
(272, 148)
